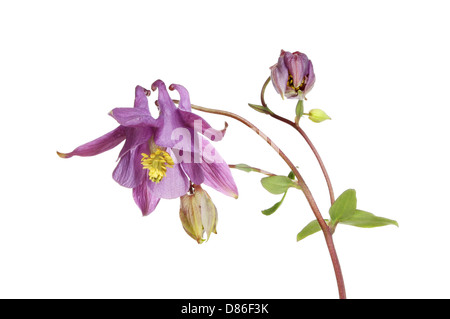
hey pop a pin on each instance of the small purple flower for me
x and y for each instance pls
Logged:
(163, 157)
(293, 76)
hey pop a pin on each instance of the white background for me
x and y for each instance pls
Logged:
(67, 230)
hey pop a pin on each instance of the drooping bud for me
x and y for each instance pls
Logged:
(317, 115)
(198, 214)
(293, 76)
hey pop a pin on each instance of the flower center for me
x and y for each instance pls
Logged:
(302, 85)
(156, 163)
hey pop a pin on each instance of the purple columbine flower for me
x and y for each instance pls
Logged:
(293, 76)
(163, 157)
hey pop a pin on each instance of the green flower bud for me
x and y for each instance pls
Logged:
(317, 115)
(198, 214)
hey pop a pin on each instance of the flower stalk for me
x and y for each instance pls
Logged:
(297, 127)
(250, 169)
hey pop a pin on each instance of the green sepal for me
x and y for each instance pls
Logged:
(260, 108)
(312, 228)
(298, 111)
(344, 207)
(274, 208)
(291, 175)
(278, 184)
(367, 220)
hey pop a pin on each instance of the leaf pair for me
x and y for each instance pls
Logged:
(344, 211)
(275, 184)
(278, 185)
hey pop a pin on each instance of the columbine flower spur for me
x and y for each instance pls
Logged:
(163, 157)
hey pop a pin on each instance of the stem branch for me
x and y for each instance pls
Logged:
(323, 225)
(254, 169)
(303, 134)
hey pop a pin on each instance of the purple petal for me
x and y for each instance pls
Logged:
(140, 99)
(280, 75)
(194, 171)
(216, 171)
(133, 117)
(185, 102)
(129, 172)
(311, 78)
(169, 119)
(297, 64)
(171, 125)
(135, 137)
(146, 201)
(200, 125)
(166, 104)
(99, 145)
(175, 184)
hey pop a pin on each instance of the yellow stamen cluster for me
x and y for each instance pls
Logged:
(156, 164)
(299, 88)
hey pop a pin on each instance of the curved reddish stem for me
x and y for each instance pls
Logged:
(303, 134)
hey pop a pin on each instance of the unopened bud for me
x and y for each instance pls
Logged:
(317, 115)
(198, 214)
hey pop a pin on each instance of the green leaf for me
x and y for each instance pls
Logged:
(367, 220)
(311, 228)
(274, 208)
(344, 207)
(260, 108)
(298, 111)
(278, 184)
(243, 167)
